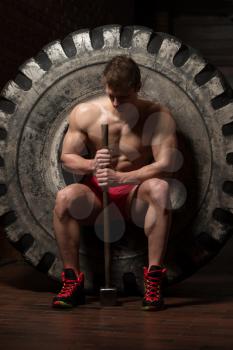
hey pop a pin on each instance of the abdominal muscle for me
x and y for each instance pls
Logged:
(123, 164)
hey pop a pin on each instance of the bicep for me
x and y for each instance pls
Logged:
(75, 140)
(164, 142)
(166, 150)
(74, 143)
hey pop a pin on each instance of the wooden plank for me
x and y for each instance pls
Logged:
(198, 315)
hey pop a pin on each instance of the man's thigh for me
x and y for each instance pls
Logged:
(84, 205)
(136, 206)
(139, 199)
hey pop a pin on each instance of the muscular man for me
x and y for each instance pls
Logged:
(141, 156)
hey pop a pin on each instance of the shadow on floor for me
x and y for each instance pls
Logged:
(197, 290)
(21, 275)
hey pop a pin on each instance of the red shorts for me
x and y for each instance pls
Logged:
(117, 195)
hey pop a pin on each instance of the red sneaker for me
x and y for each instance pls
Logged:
(153, 299)
(72, 292)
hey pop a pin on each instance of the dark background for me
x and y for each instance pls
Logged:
(28, 25)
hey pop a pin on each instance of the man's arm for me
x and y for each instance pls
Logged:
(164, 149)
(74, 144)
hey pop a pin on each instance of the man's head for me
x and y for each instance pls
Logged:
(122, 79)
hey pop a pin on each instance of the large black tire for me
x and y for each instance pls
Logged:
(33, 110)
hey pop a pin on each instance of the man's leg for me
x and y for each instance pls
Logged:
(149, 207)
(75, 204)
(67, 233)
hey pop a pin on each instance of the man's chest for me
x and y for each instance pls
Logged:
(124, 140)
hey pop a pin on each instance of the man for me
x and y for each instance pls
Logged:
(142, 143)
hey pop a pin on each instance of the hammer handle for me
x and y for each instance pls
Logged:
(104, 135)
(106, 216)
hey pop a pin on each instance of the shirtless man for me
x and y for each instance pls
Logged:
(140, 158)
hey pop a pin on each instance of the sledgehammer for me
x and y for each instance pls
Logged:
(108, 294)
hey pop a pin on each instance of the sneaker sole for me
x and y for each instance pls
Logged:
(62, 305)
(153, 308)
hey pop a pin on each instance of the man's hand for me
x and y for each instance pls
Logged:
(108, 177)
(102, 159)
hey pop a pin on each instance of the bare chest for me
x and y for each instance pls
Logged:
(125, 143)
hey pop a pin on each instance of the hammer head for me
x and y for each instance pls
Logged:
(108, 296)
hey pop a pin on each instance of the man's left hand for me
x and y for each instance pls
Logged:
(108, 177)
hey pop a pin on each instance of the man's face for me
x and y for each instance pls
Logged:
(121, 95)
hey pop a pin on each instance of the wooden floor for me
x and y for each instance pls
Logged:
(199, 315)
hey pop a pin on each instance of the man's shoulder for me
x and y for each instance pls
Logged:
(84, 114)
(157, 110)
(149, 106)
(156, 107)
(162, 112)
(86, 109)
(159, 117)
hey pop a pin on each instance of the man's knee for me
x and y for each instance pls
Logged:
(158, 192)
(61, 204)
(76, 202)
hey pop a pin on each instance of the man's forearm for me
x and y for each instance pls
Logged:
(77, 164)
(156, 169)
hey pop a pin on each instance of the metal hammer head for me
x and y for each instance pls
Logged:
(108, 296)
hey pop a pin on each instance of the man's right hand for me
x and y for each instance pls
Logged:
(102, 159)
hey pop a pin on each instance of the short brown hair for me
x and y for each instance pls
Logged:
(122, 71)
